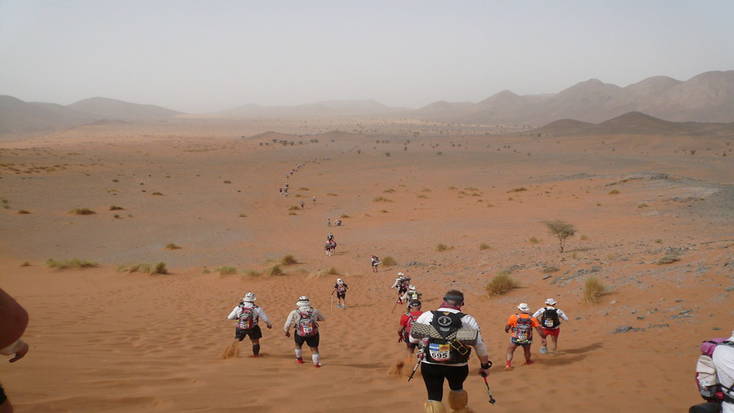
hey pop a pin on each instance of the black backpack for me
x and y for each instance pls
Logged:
(550, 318)
(446, 349)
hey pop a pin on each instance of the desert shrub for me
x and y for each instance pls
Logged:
(344, 216)
(643, 205)
(23, 212)
(72, 263)
(253, 273)
(593, 290)
(668, 259)
(227, 182)
(332, 194)
(381, 199)
(160, 268)
(226, 270)
(384, 211)
(421, 196)
(534, 240)
(389, 261)
(502, 283)
(243, 215)
(562, 230)
(116, 208)
(389, 191)
(484, 246)
(614, 192)
(157, 193)
(292, 213)
(333, 271)
(82, 211)
(520, 189)
(25, 264)
(550, 269)
(172, 246)
(584, 238)
(288, 260)
(443, 247)
(275, 270)
(294, 208)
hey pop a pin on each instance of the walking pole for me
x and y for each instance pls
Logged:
(489, 392)
(417, 363)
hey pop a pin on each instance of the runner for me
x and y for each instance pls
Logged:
(375, 262)
(723, 357)
(521, 327)
(341, 293)
(13, 322)
(406, 324)
(304, 320)
(248, 315)
(550, 321)
(447, 336)
(401, 284)
(411, 294)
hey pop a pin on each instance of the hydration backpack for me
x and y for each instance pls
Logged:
(306, 325)
(409, 324)
(247, 318)
(341, 288)
(524, 329)
(550, 318)
(446, 349)
(706, 379)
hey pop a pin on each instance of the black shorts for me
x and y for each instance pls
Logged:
(341, 295)
(434, 374)
(254, 333)
(311, 341)
(3, 397)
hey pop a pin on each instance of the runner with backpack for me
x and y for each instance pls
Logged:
(401, 284)
(406, 324)
(411, 294)
(304, 320)
(375, 262)
(715, 376)
(550, 322)
(447, 336)
(341, 293)
(248, 315)
(521, 327)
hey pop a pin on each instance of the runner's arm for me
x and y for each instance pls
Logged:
(562, 315)
(539, 312)
(319, 316)
(263, 316)
(234, 314)
(289, 321)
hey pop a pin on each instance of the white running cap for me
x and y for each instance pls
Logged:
(303, 301)
(524, 307)
(400, 274)
(249, 297)
(550, 301)
(412, 287)
(339, 280)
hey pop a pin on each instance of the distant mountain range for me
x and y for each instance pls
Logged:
(708, 97)
(19, 117)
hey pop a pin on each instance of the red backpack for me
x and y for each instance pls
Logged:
(409, 324)
(306, 326)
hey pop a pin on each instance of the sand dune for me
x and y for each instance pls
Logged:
(106, 340)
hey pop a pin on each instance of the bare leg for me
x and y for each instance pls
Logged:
(526, 350)
(510, 352)
(554, 343)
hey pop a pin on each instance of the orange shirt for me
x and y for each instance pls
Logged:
(512, 322)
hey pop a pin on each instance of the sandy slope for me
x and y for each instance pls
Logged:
(104, 340)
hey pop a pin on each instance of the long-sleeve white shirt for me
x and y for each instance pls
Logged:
(259, 313)
(723, 358)
(541, 310)
(467, 322)
(293, 318)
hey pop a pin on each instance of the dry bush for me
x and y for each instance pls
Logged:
(614, 192)
(389, 261)
(443, 247)
(25, 264)
(253, 273)
(294, 208)
(534, 240)
(332, 194)
(288, 260)
(23, 212)
(593, 290)
(292, 213)
(226, 270)
(82, 211)
(172, 246)
(344, 216)
(584, 238)
(333, 271)
(550, 269)
(275, 270)
(501, 284)
(157, 194)
(159, 268)
(643, 205)
(562, 230)
(668, 259)
(484, 246)
(72, 263)
(243, 215)
(389, 191)
(381, 199)
(520, 189)
(116, 208)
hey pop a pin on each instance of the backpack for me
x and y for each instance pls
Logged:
(247, 318)
(523, 330)
(409, 324)
(306, 325)
(550, 318)
(706, 380)
(341, 288)
(446, 350)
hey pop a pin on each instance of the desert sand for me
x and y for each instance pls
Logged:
(103, 339)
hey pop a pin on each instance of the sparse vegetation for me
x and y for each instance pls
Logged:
(389, 190)
(23, 212)
(294, 208)
(668, 259)
(443, 247)
(116, 208)
(520, 189)
(501, 284)
(25, 264)
(72, 263)
(389, 261)
(243, 215)
(614, 192)
(484, 246)
(344, 216)
(288, 260)
(593, 290)
(550, 269)
(333, 271)
(82, 211)
(157, 193)
(642, 205)
(562, 230)
(292, 213)
(534, 240)
(159, 268)
(253, 273)
(276, 270)
(226, 270)
(381, 199)
(584, 238)
(172, 246)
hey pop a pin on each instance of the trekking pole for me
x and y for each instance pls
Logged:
(489, 392)
(415, 368)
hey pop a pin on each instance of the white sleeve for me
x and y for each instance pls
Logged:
(319, 316)
(261, 314)
(562, 315)
(289, 321)
(539, 312)
(234, 314)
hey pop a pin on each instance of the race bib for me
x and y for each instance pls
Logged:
(439, 352)
(548, 323)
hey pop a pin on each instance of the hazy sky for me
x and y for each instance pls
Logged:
(210, 55)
